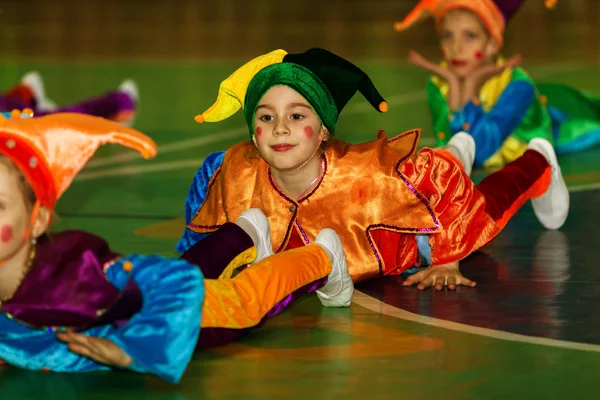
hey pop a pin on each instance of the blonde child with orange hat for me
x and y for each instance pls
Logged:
(68, 303)
(477, 91)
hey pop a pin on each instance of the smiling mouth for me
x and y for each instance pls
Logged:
(458, 63)
(282, 147)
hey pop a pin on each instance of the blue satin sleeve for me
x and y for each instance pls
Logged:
(195, 198)
(36, 349)
(490, 129)
(161, 338)
(424, 249)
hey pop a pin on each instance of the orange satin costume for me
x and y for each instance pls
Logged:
(374, 195)
(244, 300)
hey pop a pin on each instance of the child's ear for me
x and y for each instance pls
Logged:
(324, 133)
(42, 222)
(491, 49)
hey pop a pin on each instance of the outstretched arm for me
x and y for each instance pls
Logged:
(160, 339)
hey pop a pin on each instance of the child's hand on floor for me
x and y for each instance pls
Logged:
(439, 276)
(100, 350)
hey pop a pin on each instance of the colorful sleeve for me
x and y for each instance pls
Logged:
(490, 129)
(424, 249)
(195, 198)
(439, 113)
(459, 207)
(161, 338)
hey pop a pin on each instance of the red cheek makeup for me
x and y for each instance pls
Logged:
(6, 233)
(309, 132)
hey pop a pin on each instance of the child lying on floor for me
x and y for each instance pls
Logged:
(142, 313)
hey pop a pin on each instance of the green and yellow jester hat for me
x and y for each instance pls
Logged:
(324, 79)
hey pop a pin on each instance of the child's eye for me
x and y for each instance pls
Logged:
(471, 35)
(297, 116)
(266, 118)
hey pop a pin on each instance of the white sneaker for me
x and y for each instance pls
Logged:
(552, 208)
(462, 145)
(339, 288)
(130, 87)
(259, 221)
(36, 84)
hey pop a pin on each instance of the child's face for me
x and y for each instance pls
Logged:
(465, 42)
(287, 132)
(14, 216)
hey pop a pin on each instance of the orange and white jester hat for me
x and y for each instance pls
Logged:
(493, 14)
(51, 150)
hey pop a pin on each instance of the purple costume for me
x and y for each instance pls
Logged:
(114, 105)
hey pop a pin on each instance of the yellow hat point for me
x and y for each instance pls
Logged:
(199, 118)
(232, 90)
(383, 106)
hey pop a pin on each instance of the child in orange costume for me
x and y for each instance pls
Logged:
(380, 197)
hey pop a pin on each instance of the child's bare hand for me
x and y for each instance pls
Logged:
(482, 74)
(439, 276)
(100, 350)
(420, 61)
